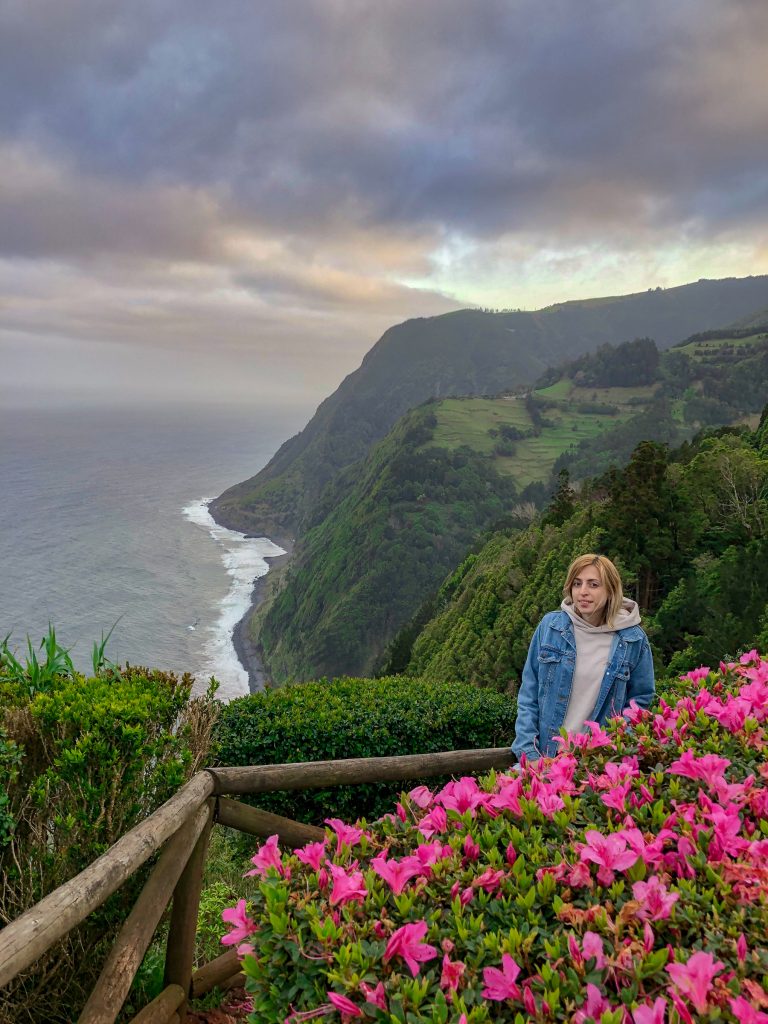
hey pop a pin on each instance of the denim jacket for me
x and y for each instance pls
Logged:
(545, 689)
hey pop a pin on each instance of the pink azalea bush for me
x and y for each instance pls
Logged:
(623, 882)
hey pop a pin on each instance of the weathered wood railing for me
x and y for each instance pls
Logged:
(181, 827)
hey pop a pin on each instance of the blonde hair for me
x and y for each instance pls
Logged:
(609, 577)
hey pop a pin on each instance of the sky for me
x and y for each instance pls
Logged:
(232, 201)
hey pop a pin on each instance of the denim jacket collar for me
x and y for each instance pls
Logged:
(563, 624)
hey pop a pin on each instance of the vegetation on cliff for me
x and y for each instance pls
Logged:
(411, 513)
(390, 528)
(688, 529)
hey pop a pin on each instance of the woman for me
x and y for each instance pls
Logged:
(586, 662)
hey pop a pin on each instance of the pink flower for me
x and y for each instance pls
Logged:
(347, 887)
(470, 849)
(375, 996)
(344, 833)
(508, 796)
(682, 1010)
(698, 673)
(433, 823)
(243, 925)
(656, 902)
(421, 796)
(595, 1006)
(511, 854)
(430, 853)
(490, 880)
(461, 796)
(529, 1001)
(560, 773)
(651, 1014)
(397, 873)
(579, 876)
(741, 948)
(267, 856)
(693, 979)
(312, 854)
(407, 943)
(592, 947)
(745, 1012)
(344, 1005)
(609, 852)
(597, 736)
(451, 974)
(500, 984)
(616, 798)
(634, 714)
(708, 768)
(573, 949)
(549, 802)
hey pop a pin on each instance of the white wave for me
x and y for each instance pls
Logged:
(245, 559)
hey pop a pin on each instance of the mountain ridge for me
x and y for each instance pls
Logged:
(462, 352)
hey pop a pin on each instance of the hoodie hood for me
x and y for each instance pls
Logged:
(629, 615)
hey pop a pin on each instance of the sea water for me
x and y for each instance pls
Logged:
(104, 525)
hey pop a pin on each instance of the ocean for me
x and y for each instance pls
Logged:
(103, 523)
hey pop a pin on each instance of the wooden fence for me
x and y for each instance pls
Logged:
(181, 828)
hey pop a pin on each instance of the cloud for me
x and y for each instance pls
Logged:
(292, 178)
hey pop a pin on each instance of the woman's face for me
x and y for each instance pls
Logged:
(589, 595)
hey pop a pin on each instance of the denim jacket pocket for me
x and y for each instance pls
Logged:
(549, 662)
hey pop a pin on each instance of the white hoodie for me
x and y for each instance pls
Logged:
(593, 648)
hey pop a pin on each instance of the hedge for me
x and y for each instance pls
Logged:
(356, 718)
(82, 760)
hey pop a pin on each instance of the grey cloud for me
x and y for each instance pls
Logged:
(257, 180)
(475, 117)
(50, 211)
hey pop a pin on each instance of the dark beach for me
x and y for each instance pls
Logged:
(247, 651)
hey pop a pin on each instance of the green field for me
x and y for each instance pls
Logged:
(699, 349)
(535, 456)
(466, 421)
(565, 409)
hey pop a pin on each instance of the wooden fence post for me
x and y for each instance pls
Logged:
(133, 939)
(180, 951)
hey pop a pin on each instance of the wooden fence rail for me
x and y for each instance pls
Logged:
(181, 828)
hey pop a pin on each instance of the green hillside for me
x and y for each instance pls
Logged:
(408, 516)
(689, 530)
(467, 352)
(389, 529)
(528, 435)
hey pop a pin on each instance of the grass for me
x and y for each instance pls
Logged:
(466, 421)
(613, 396)
(698, 349)
(556, 392)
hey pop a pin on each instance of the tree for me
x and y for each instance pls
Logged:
(641, 522)
(563, 503)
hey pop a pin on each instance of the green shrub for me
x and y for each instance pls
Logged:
(356, 718)
(82, 760)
